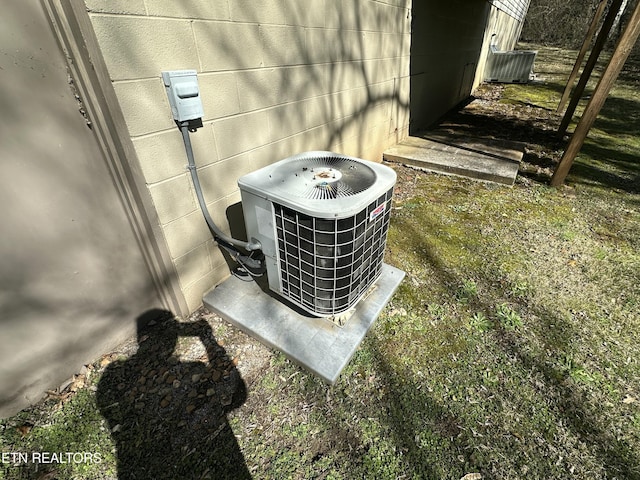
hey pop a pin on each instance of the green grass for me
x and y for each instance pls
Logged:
(73, 430)
(510, 349)
(609, 157)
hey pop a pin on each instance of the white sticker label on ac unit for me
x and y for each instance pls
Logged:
(264, 219)
(377, 212)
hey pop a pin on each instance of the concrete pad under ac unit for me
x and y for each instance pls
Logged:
(315, 343)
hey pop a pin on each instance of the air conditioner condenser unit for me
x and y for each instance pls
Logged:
(513, 66)
(322, 219)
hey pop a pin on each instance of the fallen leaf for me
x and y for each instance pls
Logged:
(78, 383)
(107, 359)
(24, 429)
(472, 476)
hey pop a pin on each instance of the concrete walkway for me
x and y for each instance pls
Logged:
(478, 158)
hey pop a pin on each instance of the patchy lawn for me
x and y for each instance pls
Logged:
(510, 350)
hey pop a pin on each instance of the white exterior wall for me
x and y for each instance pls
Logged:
(516, 9)
(277, 77)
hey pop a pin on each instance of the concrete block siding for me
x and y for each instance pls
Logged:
(277, 77)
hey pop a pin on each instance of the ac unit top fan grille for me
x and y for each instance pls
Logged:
(320, 183)
(324, 177)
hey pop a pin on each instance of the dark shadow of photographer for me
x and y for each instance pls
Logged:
(169, 418)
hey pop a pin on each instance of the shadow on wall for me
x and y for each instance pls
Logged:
(72, 267)
(168, 417)
(446, 45)
(235, 217)
(288, 77)
(276, 78)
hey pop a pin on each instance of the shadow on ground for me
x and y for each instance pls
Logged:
(568, 405)
(486, 119)
(168, 417)
(491, 116)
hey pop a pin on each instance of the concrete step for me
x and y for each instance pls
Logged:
(477, 158)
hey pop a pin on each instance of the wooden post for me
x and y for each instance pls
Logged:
(590, 65)
(583, 51)
(620, 55)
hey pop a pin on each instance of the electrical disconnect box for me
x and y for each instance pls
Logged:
(184, 94)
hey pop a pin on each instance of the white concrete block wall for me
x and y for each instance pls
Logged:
(277, 77)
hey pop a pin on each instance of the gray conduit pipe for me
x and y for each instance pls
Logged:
(218, 234)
